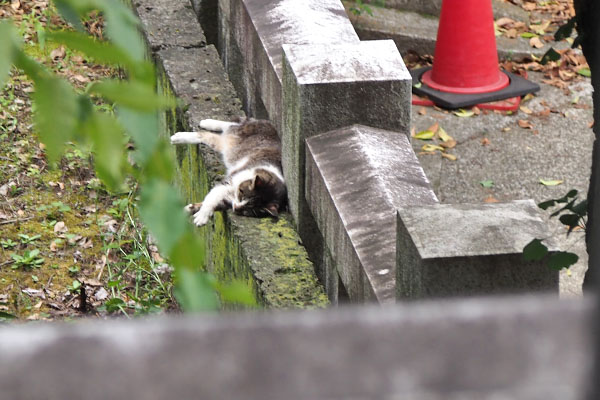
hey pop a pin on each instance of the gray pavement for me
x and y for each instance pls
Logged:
(516, 159)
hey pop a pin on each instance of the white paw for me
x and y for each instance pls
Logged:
(192, 208)
(201, 218)
(184, 138)
(211, 125)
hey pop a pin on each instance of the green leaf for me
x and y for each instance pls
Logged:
(133, 95)
(108, 148)
(104, 52)
(69, 13)
(581, 208)
(488, 183)
(114, 304)
(236, 292)
(161, 163)
(417, 85)
(162, 211)
(570, 220)
(567, 206)
(143, 128)
(194, 291)
(551, 55)
(122, 27)
(9, 45)
(5, 315)
(551, 182)
(585, 72)
(528, 35)
(424, 135)
(551, 203)
(188, 252)
(562, 259)
(534, 250)
(544, 205)
(565, 30)
(56, 112)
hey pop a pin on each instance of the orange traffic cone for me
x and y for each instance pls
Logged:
(465, 69)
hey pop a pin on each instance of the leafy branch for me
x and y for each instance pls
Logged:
(63, 115)
(573, 214)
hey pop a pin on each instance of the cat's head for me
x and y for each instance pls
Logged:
(263, 195)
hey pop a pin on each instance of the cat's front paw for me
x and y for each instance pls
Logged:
(184, 138)
(201, 218)
(192, 208)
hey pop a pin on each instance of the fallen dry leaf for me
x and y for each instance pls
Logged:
(544, 113)
(81, 78)
(422, 111)
(58, 53)
(74, 239)
(485, 141)
(86, 243)
(450, 144)
(101, 294)
(450, 157)
(536, 42)
(525, 124)
(525, 110)
(434, 128)
(491, 199)
(431, 147)
(60, 227)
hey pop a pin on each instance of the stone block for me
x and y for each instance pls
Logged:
(252, 33)
(327, 87)
(467, 249)
(169, 23)
(526, 348)
(356, 179)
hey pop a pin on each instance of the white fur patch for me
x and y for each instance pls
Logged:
(238, 165)
(185, 138)
(272, 170)
(216, 125)
(212, 201)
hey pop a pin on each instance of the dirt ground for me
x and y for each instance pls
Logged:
(68, 248)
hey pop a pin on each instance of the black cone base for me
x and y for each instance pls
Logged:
(518, 86)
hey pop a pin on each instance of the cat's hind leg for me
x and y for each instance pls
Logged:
(210, 139)
(216, 125)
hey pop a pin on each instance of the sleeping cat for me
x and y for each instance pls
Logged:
(251, 151)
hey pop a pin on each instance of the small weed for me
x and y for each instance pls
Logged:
(75, 286)
(8, 244)
(26, 239)
(29, 259)
(74, 269)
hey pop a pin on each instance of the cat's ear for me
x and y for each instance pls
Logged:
(272, 209)
(260, 179)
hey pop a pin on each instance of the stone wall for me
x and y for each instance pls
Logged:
(526, 348)
(301, 65)
(264, 253)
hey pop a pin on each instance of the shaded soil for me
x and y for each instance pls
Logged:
(68, 248)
